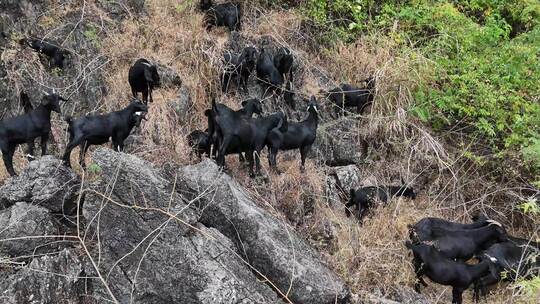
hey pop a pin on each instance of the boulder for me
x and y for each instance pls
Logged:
(272, 247)
(24, 220)
(48, 279)
(339, 143)
(151, 245)
(169, 77)
(339, 182)
(46, 182)
(182, 104)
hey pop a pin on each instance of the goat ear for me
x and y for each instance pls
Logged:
(244, 103)
(207, 112)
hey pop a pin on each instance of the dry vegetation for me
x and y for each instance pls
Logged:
(371, 256)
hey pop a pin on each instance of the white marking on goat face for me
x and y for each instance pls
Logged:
(139, 113)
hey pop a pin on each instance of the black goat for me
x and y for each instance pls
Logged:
(143, 77)
(517, 257)
(223, 14)
(463, 244)
(346, 95)
(200, 143)
(99, 129)
(25, 129)
(47, 47)
(249, 107)
(245, 135)
(299, 135)
(428, 261)
(267, 73)
(239, 66)
(422, 230)
(283, 61)
(365, 197)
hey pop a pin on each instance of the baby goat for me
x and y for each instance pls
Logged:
(199, 142)
(25, 129)
(346, 95)
(143, 77)
(223, 14)
(299, 135)
(56, 53)
(239, 66)
(364, 198)
(428, 261)
(283, 61)
(99, 129)
(267, 73)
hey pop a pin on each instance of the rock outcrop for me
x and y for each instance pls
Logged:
(197, 238)
(272, 247)
(26, 229)
(45, 182)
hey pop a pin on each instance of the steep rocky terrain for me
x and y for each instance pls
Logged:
(158, 225)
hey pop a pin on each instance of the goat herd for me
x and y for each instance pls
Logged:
(440, 248)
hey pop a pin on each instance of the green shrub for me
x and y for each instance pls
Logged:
(486, 62)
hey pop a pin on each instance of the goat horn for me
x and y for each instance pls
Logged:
(493, 222)
(147, 64)
(45, 92)
(492, 259)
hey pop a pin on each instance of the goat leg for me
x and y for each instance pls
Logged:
(83, 148)
(7, 155)
(249, 156)
(457, 295)
(257, 161)
(150, 94)
(222, 150)
(30, 150)
(44, 140)
(145, 96)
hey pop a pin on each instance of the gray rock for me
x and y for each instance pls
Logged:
(271, 247)
(47, 279)
(182, 104)
(45, 182)
(24, 220)
(168, 76)
(339, 182)
(154, 257)
(339, 144)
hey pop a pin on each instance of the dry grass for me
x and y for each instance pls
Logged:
(370, 256)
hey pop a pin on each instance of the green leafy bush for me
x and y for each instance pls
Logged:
(486, 62)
